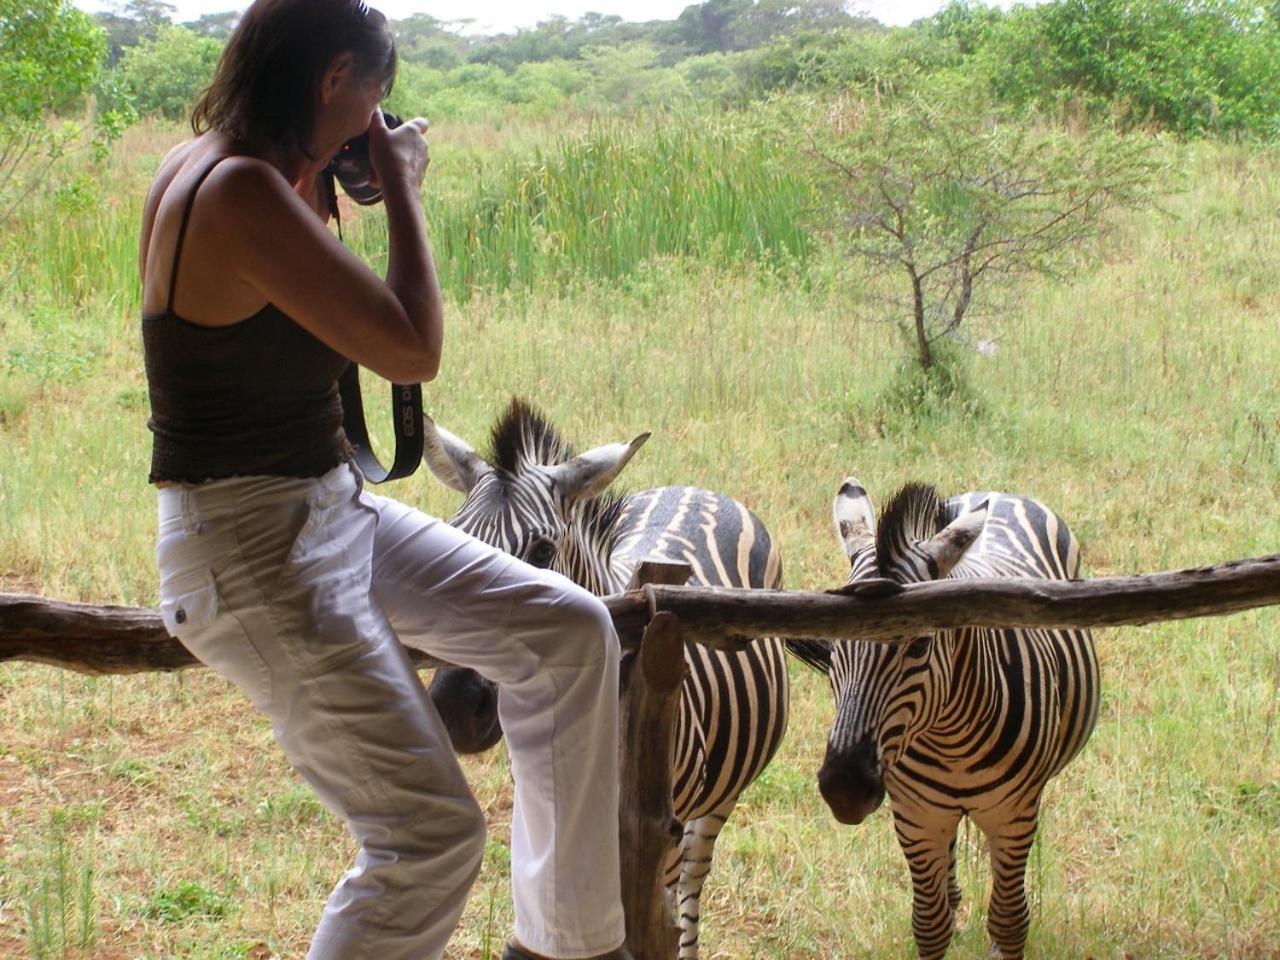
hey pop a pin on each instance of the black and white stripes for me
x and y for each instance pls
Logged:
(534, 498)
(961, 723)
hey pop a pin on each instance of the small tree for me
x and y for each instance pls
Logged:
(936, 188)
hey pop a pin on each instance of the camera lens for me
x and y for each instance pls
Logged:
(351, 166)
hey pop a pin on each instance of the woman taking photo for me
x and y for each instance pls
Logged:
(282, 573)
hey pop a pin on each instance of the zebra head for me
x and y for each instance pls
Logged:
(884, 692)
(535, 499)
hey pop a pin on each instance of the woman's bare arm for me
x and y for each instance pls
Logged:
(275, 243)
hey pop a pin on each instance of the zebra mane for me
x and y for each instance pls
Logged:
(812, 653)
(914, 513)
(523, 438)
(597, 519)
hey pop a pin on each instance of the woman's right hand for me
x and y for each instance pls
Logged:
(399, 156)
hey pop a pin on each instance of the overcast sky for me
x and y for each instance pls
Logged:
(493, 16)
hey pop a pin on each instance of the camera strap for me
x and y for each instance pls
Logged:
(406, 414)
(331, 199)
(406, 404)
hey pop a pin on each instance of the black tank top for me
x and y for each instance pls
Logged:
(258, 397)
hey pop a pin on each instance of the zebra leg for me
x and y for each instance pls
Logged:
(953, 885)
(695, 863)
(1008, 916)
(928, 842)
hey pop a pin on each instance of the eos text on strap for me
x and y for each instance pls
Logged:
(406, 414)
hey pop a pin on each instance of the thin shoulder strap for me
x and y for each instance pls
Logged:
(182, 231)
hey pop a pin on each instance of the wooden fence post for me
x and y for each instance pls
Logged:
(647, 828)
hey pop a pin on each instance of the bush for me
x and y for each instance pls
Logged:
(630, 76)
(415, 86)
(50, 54)
(164, 75)
(50, 57)
(549, 81)
(1195, 67)
(916, 393)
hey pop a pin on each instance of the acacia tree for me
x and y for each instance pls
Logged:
(935, 187)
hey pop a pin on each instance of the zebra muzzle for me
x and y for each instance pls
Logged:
(852, 783)
(468, 705)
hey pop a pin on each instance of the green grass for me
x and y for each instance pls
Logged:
(61, 907)
(1138, 395)
(564, 208)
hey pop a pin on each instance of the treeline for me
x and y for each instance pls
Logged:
(714, 26)
(595, 61)
(1194, 67)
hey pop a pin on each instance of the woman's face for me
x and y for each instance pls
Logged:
(347, 101)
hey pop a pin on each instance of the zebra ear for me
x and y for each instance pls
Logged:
(948, 546)
(854, 517)
(453, 462)
(589, 473)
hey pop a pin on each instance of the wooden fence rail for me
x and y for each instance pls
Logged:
(101, 640)
(884, 610)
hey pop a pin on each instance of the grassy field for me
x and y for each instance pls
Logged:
(152, 816)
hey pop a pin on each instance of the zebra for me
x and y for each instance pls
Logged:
(969, 722)
(536, 499)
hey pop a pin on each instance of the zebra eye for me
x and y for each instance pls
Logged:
(540, 553)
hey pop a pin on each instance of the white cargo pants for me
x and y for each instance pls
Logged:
(296, 590)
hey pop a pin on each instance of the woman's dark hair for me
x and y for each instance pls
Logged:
(264, 88)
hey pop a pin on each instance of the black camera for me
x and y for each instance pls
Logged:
(351, 168)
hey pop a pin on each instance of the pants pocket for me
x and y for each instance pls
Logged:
(189, 602)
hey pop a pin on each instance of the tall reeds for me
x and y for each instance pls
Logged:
(596, 205)
(592, 206)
